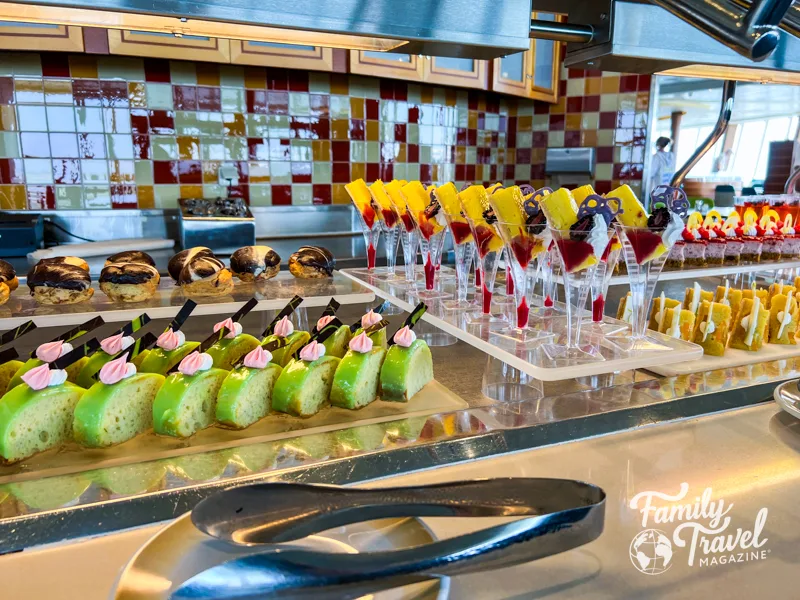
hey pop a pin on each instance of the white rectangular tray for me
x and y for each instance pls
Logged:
(272, 295)
(731, 358)
(532, 362)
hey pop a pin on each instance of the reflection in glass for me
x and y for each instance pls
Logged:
(455, 64)
(387, 56)
(513, 66)
(544, 56)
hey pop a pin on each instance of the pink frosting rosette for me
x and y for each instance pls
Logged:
(116, 343)
(362, 343)
(116, 370)
(257, 358)
(323, 321)
(195, 362)
(234, 329)
(42, 376)
(284, 327)
(405, 337)
(169, 340)
(370, 319)
(312, 351)
(53, 350)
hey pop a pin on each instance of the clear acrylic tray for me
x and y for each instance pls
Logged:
(731, 358)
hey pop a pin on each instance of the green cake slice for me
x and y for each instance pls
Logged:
(33, 421)
(161, 361)
(378, 337)
(246, 395)
(294, 341)
(112, 414)
(72, 370)
(355, 383)
(227, 351)
(7, 370)
(406, 371)
(185, 404)
(303, 387)
(336, 344)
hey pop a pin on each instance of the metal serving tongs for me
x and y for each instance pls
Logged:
(565, 514)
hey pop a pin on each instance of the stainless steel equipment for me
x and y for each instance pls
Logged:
(222, 224)
(568, 166)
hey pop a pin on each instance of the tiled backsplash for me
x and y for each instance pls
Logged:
(82, 131)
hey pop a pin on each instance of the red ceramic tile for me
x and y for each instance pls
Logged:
(340, 151)
(608, 120)
(494, 142)
(321, 128)
(572, 139)
(373, 171)
(575, 104)
(636, 171)
(301, 172)
(319, 105)
(184, 97)
(540, 108)
(258, 148)
(387, 89)
(87, 92)
(114, 94)
(574, 73)
(562, 88)
(470, 174)
(91, 145)
(123, 196)
(298, 81)
(413, 114)
(209, 98)
(41, 197)
(593, 73)
(602, 187)
(156, 70)
(523, 156)
(492, 104)
(322, 193)
(11, 170)
(557, 122)
(537, 171)
(162, 122)
(278, 103)
(493, 172)
(472, 100)
(54, 64)
(282, 194)
(387, 172)
(591, 103)
(141, 147)
(301, 127)
(481, 120)
(644, 83)
(621, 170)
(140, 124)
(340, 172)
(190, 171)
(539, 139)
(257, 101)
(412, 153)
(277, 79)
(165, 171)
(472, 137)
(628, 83)
(241, 191)
(35, 145)
(357, 130)
(400, 132)
(511, 135)
(605, 154)
(6, 90)
(461, 172)
(461, 136)
(401, 91)
(508, 172)
(66, 171)
(373, 110)
(484, 155)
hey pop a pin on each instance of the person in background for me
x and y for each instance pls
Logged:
(663, 164)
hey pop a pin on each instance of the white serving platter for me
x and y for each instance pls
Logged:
(530, 361)
(787, 396)
(272, 295)
(731, 358)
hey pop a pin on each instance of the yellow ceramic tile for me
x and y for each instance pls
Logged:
(461, 155)
(589, 139)
(512, 106)
(8, 119)
(643, 101)
(340, 129)
(13, 197)
(144, 194)
(321, 150)
(57, 91)
(472, 119)
(435, 172)
(234, 125)
(210, 171)
(83, 66)
(401, 154)
(340, 84)
(524, 123)
(426, 94)
(207, 74)
(137, 94)
(373, 131)
(538, 155)
(356, 108)
(358, 171)
(609, 84)
(560, 107)
(482, 103)
(259, 172)
(121, 171)
(255, 78)
(593, 86)
(340, 195)
(191, 191)
(511, 155)
(537, 183)
(29, 91)
(188, 147)
(573, 122)
(450, 96)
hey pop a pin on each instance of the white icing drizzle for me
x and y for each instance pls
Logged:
(695, 298)
(750, 321)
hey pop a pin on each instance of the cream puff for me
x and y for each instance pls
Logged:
(131, 256)
(8, 275)
(255, 263)
(129, 282)
(65, 260)
(59, 283)
(205, 276)
(312, 262)
(177, 262)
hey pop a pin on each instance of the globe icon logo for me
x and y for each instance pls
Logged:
(651, 552)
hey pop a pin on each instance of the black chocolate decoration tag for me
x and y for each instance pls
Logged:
(182, 315)
(239, 314)
(285, 312)
(135, 325)
(412, 319)
(383, 323)
(76, 332)
(7, 355)
(76, 354)
(205, 345)
(330, 310)
(16, 333)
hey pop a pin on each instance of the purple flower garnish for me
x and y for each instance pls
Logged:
(671, 197)
(526, 189)
(594, 204)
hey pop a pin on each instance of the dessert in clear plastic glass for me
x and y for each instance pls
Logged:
(409, 236)
(390, 221)
(370, 219)
(428, 216)
(463, 243)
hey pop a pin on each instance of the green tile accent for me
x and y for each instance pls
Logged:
(31, 117)
(439, 96)
(94, 171)
(9, 145)
(212, 148)
(412, 133)
(235, 148)
(525, 139)
(425, 154)
(68, 197)
(387, 111)
(230, 76)
(186, 123)
(164, 147)
(233, 100)
(370, 87)
(299, 104)
(143, 171)
(400, 170)
(414, 93)
(522, 172)
(278, 126)
(96, 196)
(159, 95)
(386, 132)
(412, 171)
(540, 122)
(524, 109)
(38, 170)
(89, 120)
(462, 116)
(321, 172)
(209, 123)
(119, 67)
(340, 107)
(280, 173)
(257, 125)
(319, 83)
(25, 64)
(260, 194)
(358, 151)
(60, 118)
(214, 190)
(166, 196)
(302, 194)
(301, 151)
(120, 146)
(462, 99)
(182, 72)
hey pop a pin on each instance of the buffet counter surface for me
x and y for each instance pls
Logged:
(744, 464)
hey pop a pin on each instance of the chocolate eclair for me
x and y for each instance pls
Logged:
(131, 256)
(59, 283)
(177, 262)
(255, 263)
(129, 282)
(312, 262)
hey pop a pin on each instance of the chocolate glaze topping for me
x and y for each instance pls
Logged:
(65, 260)
(7, 272)
(200, 267)
(254, 259)
(127, 273)
(64, 276)
(131, 256)
(179, 261)
(315, 257)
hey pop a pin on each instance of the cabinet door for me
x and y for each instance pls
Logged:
(166, 45)
(40, 36)
(464, 72)
(387, 64)
(545, 65)
(510, 74)
(292, 56)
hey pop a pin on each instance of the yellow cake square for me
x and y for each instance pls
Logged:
(750, 326)
(782, 319)
(761, 293)
(781, 288)
(711, 327)
(658, 313)
(730, 296)
(678, 323)
(694, 296)
(624, 311)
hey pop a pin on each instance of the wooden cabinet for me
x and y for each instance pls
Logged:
(36, 36)
(534, 73)
(387, 64)
(291, 56)
(165, 45)
(464, 72)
